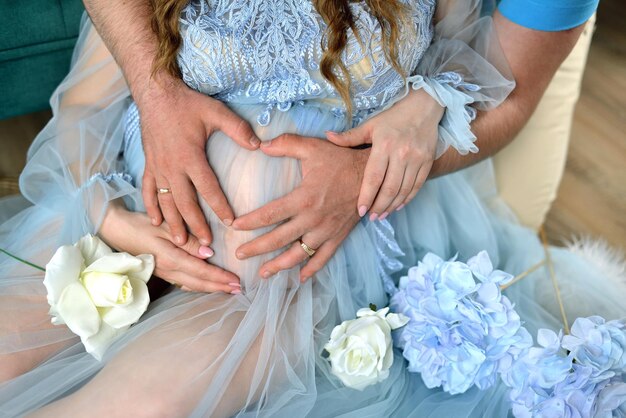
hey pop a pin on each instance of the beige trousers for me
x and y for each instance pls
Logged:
(528, 171)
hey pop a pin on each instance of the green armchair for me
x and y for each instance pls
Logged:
(36, 42)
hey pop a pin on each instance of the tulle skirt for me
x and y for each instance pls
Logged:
(261, 353)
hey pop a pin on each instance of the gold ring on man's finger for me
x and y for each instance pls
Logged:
(310, 251)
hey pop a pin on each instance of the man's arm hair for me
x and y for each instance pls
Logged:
(534, 57)
(125, 28)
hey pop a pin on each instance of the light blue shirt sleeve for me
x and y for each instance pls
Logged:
(548, 15)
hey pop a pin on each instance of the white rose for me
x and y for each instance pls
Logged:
(97, 293)
(361, 351)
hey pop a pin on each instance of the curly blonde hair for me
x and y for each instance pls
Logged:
(337, 15)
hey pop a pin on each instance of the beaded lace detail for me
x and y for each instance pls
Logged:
(268, 52)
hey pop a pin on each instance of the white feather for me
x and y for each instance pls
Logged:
(609, 260)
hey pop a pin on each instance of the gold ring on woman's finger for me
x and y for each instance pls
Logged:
(310, 251)
(163, 190)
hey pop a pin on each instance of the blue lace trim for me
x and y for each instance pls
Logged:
(107, 178)
(132, 123)
(383, 236)
(456, 80)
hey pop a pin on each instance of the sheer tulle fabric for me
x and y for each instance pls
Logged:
(259, 353)
(464, 69)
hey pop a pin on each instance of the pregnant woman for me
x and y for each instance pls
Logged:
(239, 344)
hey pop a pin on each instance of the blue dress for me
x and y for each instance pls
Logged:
(261, 353)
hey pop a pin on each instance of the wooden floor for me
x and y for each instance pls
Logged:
(592, 196)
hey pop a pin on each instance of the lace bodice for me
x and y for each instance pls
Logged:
(268, 52)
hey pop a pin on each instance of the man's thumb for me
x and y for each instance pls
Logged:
(237, 129)
(286, 145)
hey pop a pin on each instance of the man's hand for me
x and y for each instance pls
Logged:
(176, 122)
(321, 211)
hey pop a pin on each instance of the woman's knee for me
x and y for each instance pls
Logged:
(11, 366)
(16, 364)
(25, 340)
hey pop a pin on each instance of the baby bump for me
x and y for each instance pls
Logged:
(250, 179)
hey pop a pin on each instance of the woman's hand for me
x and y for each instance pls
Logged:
(185, 266)
(404, 140)
(176, 123)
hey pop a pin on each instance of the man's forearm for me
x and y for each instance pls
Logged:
(534, 57)
(494, 130)
(125, 28)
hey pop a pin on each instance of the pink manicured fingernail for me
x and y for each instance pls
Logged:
(400, 207)
(178, 239)
(235, 292)
(154, 221)
(266, 274)
(227, 222)
(304, 279)
(383, 216)
(234, 284)
(240, 255)
(206, 252)
(362, 210)
(373, 217)
(254, 141)
(266, 144)
(185, 288)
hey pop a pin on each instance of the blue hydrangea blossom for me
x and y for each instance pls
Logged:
(462, 331)
(578, 375)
